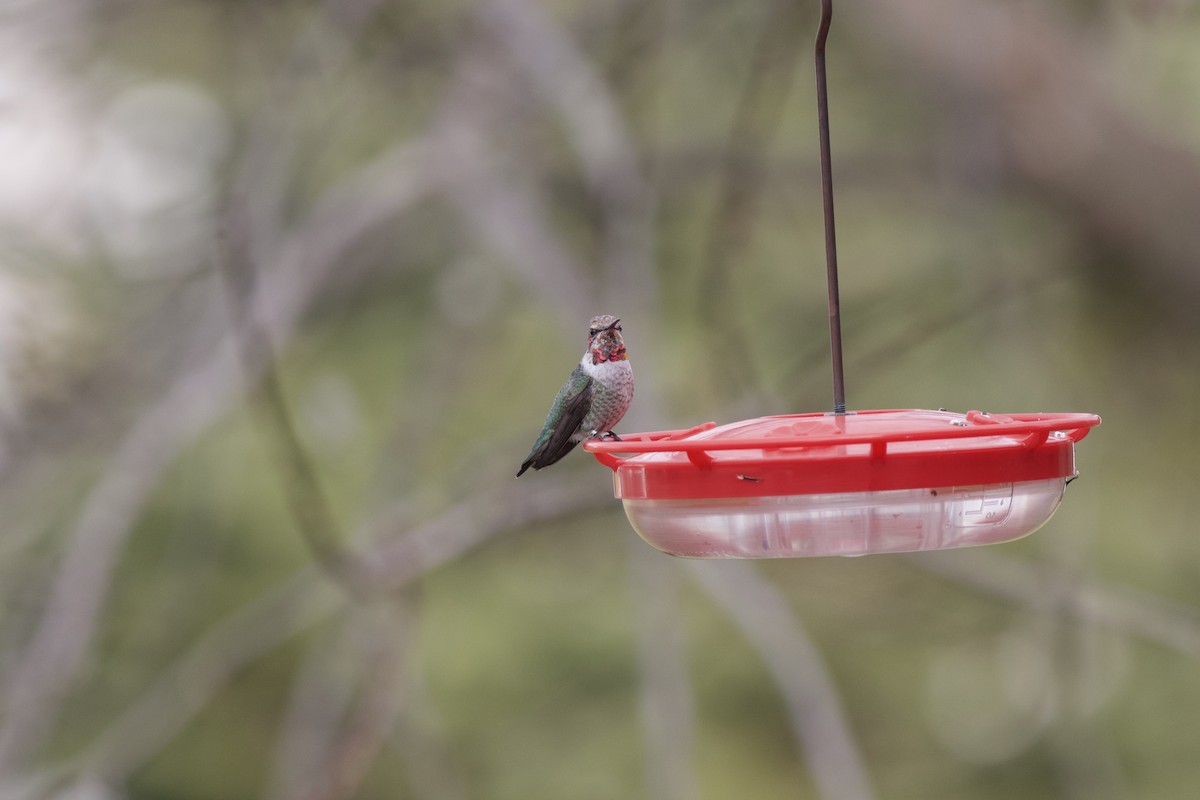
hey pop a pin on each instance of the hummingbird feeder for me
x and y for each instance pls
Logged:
(843, 483)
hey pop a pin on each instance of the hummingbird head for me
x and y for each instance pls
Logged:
(604, 339)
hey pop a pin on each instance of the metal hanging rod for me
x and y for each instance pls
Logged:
(831, 272)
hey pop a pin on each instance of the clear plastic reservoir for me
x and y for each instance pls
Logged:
(846, 523)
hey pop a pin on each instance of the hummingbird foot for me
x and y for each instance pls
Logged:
(606, 435)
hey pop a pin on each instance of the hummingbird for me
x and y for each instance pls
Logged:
(593, 399)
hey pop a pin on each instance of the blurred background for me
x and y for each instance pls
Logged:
(286, 289)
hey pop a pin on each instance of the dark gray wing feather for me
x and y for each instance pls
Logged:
(558, 442)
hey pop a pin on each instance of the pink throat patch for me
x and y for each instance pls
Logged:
(599, 356)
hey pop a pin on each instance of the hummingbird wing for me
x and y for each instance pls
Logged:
(570, 407)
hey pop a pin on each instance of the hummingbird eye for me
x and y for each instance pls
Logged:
(593, 331)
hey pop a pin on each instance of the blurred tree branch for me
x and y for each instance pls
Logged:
(1064, 130)
(668, 713)
(276, 616)
(596, 128)
(306, 259)
(818, 721)
(1143, 616)
(306, 498)
(382, 644)
(502, 209)
(743, 171)
(322, 689)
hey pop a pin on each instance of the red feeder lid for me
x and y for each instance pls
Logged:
(861, 451)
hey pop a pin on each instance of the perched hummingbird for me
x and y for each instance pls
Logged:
(593, 399)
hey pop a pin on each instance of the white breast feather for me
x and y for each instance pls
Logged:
(605, 372)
